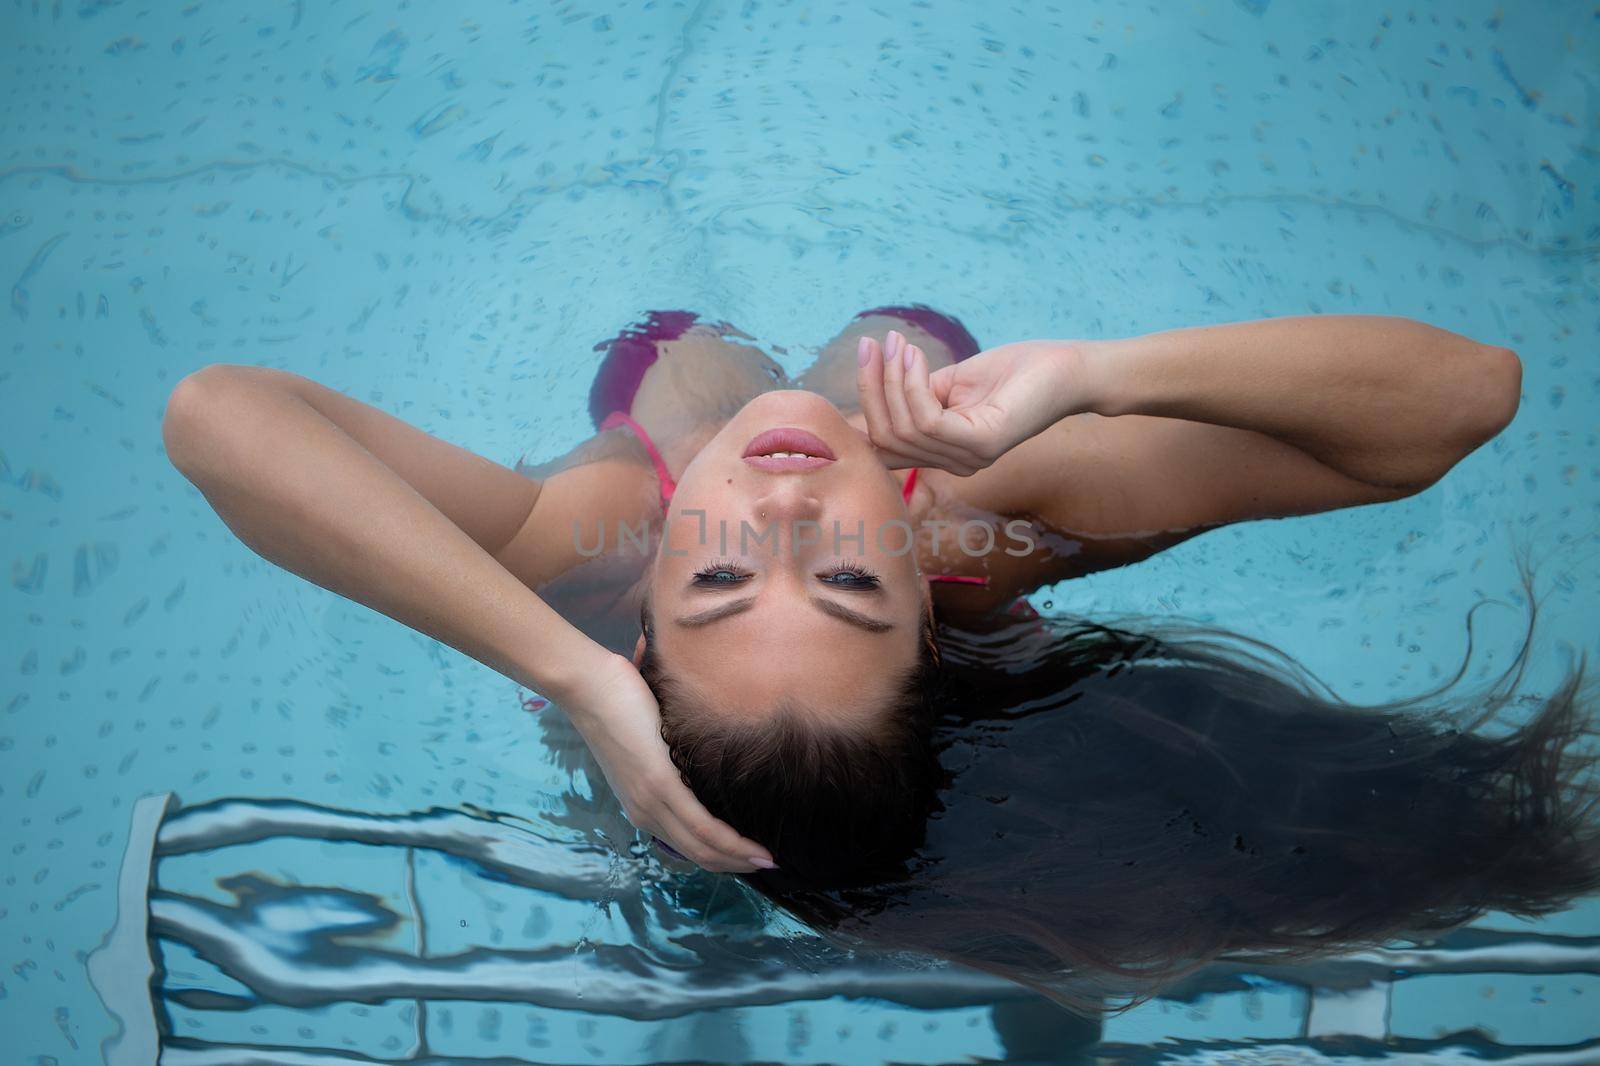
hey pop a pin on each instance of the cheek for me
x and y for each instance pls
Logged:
(704, 519)
(892, 537)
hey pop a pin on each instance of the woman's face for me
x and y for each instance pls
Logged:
(788, 569)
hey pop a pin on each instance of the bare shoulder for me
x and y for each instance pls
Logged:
(606, 491)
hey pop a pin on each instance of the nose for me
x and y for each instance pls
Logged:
(789, 501)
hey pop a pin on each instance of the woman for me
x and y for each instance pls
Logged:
(819, 585)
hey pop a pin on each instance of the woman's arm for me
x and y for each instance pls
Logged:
(410, 532)
(365, 505)
(1132, 446)
(1388, 401)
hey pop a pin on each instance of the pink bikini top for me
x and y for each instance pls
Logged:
(669, 486)
(951, 579)
(663, 475)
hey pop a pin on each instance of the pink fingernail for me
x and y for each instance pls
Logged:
(863, 351)
(910, 348)
(765, 864)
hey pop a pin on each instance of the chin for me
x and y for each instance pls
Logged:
(792, 404)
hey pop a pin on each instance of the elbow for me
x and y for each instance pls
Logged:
(184, 420)
(1491, 404)
(1479, 414)
(198, 411)
(1501, 391)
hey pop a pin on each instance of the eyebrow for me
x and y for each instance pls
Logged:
(844, 614)
(855, 618)
(716, 614)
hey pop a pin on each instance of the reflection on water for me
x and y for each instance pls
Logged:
(235, 942)
(262, 945)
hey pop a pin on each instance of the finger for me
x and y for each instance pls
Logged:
(928, 416)
(905, 426)
(703, 853)
(667, 849)
(716, 834)
(941, 381)
(670, 831)
(894, 369)
(869, 390)
(880, 387)
(907, 438)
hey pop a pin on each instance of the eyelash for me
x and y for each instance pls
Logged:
(861, 578)
(705, 576)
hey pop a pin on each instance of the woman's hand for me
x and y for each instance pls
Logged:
(963, 417)
(618, 717)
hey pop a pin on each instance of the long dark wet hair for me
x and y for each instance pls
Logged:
(1095, 812)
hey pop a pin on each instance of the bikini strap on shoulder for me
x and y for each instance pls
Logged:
(663, 476)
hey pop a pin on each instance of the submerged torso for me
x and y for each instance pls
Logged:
(597, 496)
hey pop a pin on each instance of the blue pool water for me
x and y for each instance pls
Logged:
(439, 209)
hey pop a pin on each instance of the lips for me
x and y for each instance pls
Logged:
(787, 450)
